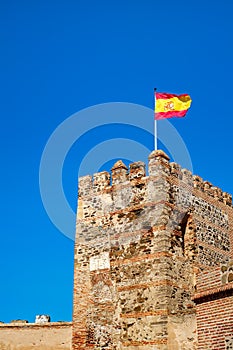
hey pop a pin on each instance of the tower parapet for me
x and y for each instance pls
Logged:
(119, 173)
(158, 165)
(137, 170)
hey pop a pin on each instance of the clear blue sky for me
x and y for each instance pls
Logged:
(58, 57)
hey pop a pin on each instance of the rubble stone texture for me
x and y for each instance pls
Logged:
(153, 260)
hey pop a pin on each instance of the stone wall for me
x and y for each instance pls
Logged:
(148, 251)
(32, 336)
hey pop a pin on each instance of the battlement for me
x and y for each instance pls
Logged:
(159, 165)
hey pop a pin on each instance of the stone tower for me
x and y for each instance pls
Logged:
(153, 260)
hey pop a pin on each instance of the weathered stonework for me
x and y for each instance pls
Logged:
(150, 251)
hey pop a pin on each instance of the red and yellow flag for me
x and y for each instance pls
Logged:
(170, 105)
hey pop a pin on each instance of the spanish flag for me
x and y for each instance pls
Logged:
(170, 105)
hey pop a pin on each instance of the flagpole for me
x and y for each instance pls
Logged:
(155, 125)
(155, 133)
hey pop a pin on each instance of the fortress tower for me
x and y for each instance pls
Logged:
(153, 260)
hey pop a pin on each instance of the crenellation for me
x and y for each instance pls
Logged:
(198, 182)
(176, 170)
(137, 170)
(227, 198)
(158, 163)
(218, 194)
(159, 155)
(119, 173)
(213, 191)
(208, 188)
(160, 168)
(101, 181)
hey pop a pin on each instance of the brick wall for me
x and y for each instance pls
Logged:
(215, 322)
